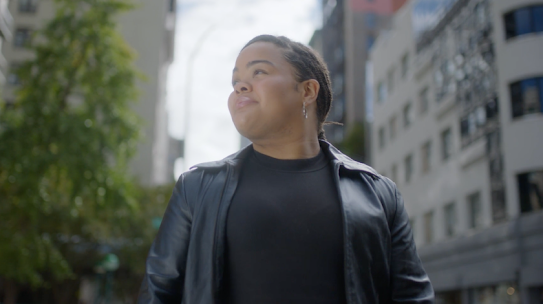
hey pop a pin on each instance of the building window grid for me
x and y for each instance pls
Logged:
(405, 65)
(13, 77)
(408, 163)
(21, 37)
(523, 21)
(408, 116)
(171, 6)
(475, 211)
(450, 219)
(446, 144)
(424, 101)
(390, 80)
(393, 126)
(382, 138)
(527, 96)
(429, 227)
(381, 92)
(426, 154)
(27, 6)
(530, 188)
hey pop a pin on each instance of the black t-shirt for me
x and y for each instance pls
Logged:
(284, 234)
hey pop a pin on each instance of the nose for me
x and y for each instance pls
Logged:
(242, 87)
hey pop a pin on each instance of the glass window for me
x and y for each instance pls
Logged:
(475, 213)
(390, 80)
(407, 115)
(423, 101)
(530, 187)
(509, 21)
(408, 168)
(22, 37)
(393, 126)
(28, 6)
(381, 92)
(382, 137)
(426, 153)
(537, 17)
(446, 144)
(395, 173)
(13, 78)
(429, 227)
(523, 21)
(526, 96)
(450, 219)
(405, 65)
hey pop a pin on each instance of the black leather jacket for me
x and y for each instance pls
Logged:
(185, 263)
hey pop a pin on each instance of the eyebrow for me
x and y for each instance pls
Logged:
(251, 63)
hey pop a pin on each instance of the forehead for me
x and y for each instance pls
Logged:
(261, 51)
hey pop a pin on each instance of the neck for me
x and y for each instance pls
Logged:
(289, 149)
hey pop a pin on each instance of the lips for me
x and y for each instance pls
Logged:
(243, 101)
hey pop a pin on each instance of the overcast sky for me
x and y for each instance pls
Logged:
(214, 31)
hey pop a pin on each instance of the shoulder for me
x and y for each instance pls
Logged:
(382, 187)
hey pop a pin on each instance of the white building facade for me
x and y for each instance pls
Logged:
(150, 30)
(457, 122)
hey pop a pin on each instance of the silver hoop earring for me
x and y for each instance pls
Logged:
(304, 112)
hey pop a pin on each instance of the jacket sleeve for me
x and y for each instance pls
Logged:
(165, 267)
(410, 283)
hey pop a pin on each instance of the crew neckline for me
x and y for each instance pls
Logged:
(291, 165)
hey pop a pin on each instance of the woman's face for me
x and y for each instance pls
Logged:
(265, 102)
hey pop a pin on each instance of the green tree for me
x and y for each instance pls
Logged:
(64, 146)
(354, 143)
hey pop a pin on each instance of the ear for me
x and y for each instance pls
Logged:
(310, 91)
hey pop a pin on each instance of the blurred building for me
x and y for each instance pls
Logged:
(350, 28)
(316, 41)
(150, 30)
(458, 115)
(176, 149)
(6, 23)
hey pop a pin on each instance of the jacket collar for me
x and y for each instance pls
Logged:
(331, 152)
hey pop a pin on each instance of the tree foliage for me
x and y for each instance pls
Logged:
(65, 144)
(354, 143)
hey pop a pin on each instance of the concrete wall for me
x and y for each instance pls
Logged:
(507, 252)
(517, 58)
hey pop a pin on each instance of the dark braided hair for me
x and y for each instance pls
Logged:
(308, 64)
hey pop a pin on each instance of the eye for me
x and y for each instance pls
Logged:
(234, 82)
(258, 71)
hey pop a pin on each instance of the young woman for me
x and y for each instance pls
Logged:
(288, 219)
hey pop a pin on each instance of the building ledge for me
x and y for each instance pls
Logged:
(473, 153)
(494, 254)
(445, 106)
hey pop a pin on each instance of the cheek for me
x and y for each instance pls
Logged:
(279, 98)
